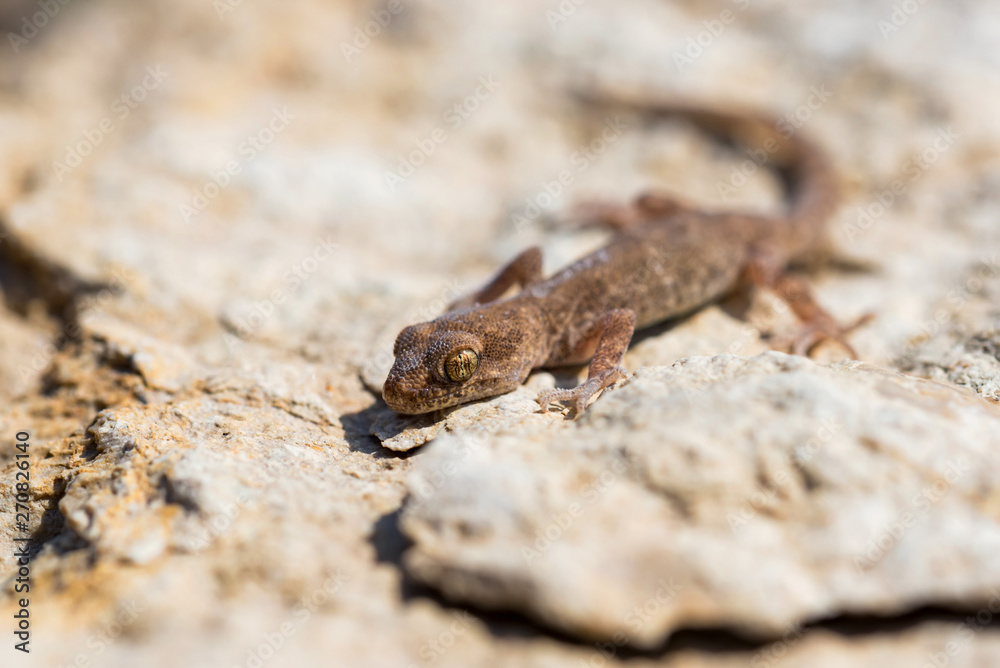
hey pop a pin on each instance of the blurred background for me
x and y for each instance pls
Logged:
(217, 214)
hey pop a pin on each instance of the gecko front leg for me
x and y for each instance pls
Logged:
(522, 271)
(613, 333)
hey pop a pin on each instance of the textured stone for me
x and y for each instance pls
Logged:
(201, 385)
(747, 493)
(961, 343)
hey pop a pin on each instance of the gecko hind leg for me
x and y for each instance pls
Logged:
(817, 325)
(522, 271)
(613, 332)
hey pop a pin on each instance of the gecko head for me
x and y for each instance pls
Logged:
(450, 361)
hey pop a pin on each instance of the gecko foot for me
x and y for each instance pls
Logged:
(815, 331)
(817, 325)
(581, 394)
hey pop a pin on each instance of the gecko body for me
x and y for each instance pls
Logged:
(667, 260)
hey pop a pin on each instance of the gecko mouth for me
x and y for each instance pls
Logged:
(416, 400)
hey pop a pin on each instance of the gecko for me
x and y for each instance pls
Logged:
(666, 260)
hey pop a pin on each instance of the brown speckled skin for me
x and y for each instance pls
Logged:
(667, 262)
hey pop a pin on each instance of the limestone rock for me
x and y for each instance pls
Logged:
(748, 493)
(206, 255)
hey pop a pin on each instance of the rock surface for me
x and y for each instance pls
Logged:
(216, 217)
(755, 494)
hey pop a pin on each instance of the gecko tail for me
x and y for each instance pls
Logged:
(806, 171)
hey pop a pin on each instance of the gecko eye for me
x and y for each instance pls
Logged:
(461, 365)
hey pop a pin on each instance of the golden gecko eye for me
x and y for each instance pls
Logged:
(461, 365)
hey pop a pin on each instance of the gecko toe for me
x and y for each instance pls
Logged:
(547, 397)
(810, 335)
(581, 395)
